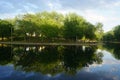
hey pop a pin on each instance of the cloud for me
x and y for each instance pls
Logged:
(110, 4)
(94, 16)
(116, 4)
(6, 7)
(12, 8)
(54, 5)
(6, 4)
(8, 73)
(105, 11)
(30, 8)
(32, 5)
(92, 10)
(50, 5)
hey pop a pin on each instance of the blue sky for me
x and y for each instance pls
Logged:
(105, 11)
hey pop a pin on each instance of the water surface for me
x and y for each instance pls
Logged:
(60, 62)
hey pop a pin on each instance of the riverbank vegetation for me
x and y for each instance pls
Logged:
(113, 35)
(53, 27)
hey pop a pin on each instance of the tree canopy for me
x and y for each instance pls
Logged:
(50, 26)
(117, 33)
(73, 26)
(113, 35)
(6, 29)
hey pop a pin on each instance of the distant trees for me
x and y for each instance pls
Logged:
(76, 27)
(43, 25)
(89, 31)
(73, 27)
(5, 29)
(99, 31)
(26, 28)
(53, 26)
(117, 33)
(113, 35)
(49, 26)
(108, 36)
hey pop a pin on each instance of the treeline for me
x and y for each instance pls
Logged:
(113, 35)
(49, 26)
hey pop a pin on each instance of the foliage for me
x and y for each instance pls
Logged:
(99, 31)
(49, 59)
(117, 33)
(73, 26)
(49, 26)
(89, 31)
(6, 29)
(114, 49)
(109, 36)
(113, 35)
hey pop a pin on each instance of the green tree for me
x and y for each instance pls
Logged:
(117, 32)
(6, 29)
(25, 26)
(108, 36)
(89, 31)
(73, 26)
(23, 30)
(44, 25)
(50, 25)
(99, 31)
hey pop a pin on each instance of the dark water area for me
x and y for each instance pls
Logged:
(96, 62)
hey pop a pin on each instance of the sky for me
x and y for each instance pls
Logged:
(104, 11)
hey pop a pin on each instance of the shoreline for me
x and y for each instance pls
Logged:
(50, 43)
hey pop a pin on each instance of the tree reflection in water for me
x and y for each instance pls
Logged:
(5, 54)
(114, 49)
(51, 59)
(75, 57)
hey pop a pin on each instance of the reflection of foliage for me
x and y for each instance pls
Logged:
(45, 61)
(117, 52)
(5, 55)
(49, 55)
(115, 48)
(99, 31)
(98, 57)
(75, 57)
(54, 59)
(50, 59)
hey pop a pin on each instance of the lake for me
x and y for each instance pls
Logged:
(58, 62)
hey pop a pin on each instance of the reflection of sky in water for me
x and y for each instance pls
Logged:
(108, 70)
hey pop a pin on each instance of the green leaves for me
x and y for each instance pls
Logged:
(117, 33)
(99, 31)
(50, 26)
(113, 35)
(5, 29)
(72, 26)
(76, 27)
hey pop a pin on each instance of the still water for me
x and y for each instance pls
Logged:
(98, 62)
